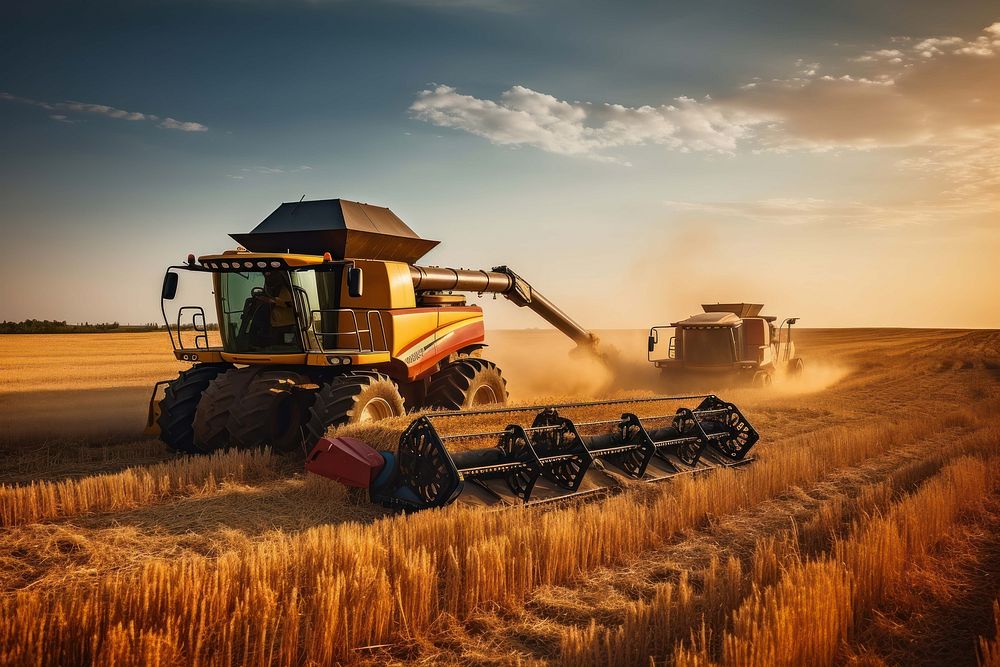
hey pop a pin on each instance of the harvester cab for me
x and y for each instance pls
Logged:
(324, 319)
(728, 342)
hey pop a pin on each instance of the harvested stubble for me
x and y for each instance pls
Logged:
(133, 487)
(659, 626)
(75, 459)
(811, 611)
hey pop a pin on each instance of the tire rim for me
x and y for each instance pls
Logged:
(484, 395)
(376, 409)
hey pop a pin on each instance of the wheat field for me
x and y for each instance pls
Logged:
(866, 533)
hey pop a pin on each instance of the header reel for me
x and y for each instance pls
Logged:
(552, 458)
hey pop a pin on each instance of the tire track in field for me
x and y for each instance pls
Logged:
(600, 596)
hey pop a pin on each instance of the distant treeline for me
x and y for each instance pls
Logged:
(63, 327)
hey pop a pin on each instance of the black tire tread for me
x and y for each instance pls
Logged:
(211, 420)
(335, 401)
(451, 387)
(250, 417)
(179, 404)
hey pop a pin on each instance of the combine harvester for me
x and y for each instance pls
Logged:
(728, 343)
(324, 320)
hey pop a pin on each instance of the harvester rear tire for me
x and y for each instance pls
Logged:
(761, 379)
(270, 413)
(467, 383)
(211, 420)
(351, 399)
(180, 403)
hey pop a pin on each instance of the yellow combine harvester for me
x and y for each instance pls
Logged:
(324, 320)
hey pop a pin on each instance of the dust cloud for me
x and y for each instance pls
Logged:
(816, 376)
(542, 364)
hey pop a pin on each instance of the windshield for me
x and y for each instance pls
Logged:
(258, 313)
(709, 346)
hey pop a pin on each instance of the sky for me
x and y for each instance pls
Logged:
(837, 161)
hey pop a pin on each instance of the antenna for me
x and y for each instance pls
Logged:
(296, 205)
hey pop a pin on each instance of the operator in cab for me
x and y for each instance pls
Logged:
(277, 294)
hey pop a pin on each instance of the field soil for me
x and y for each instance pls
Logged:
(113, 550)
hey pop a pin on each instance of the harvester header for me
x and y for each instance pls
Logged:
(544, 453)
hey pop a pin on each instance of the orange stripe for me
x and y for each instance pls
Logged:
(467, 335)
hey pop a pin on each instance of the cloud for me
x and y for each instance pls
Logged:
(921, 92)
(524, 117)
(61, 109)
(183, 126)
(925, 92)
(934, 100)
(931, 103)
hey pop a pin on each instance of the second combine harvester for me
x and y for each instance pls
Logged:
(324, 320)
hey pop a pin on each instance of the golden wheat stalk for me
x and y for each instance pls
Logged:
(130, 488)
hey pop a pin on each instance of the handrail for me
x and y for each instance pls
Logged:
(355, 332)
(201, 330)
(381, 326)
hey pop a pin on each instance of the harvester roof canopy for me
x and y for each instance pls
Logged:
(345, 229)
(722, 319)
(737, 309)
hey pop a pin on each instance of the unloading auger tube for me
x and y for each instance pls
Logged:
(501, 280)
(547, 459)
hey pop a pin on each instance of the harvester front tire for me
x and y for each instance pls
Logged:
(180, 403)
(211, 421)
(467, 383)
(351, 399)
(270, 412)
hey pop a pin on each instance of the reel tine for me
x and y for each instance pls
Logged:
(551, 448)
(741, 435)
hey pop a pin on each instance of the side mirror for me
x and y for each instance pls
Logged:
(355, 282)
(169, 290)
(652, 342)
